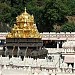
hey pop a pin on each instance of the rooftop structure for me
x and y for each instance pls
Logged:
(24, 27)
(24, 38)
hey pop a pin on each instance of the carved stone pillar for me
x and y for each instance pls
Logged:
(18, 51)
(26, 51)
(6, 51)
(13, 50)
(57, 45)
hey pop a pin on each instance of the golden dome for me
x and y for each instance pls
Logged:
(24, 27)
(25, 17)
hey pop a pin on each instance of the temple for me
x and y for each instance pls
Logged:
(24, 38)
(24, 41)
(24, 27)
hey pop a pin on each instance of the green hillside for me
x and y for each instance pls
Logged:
(50, 15)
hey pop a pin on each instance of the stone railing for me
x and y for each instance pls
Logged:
(60, 50)
(58, 36)
(50, 35)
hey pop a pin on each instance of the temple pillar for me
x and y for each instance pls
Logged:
(6, 51)
(13, 50)
(26, 51)
(18, 51)
(74, 61)
(58, 45)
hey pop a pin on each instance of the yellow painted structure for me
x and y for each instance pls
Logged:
(24, 27)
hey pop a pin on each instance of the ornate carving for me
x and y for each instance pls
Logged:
(24, 27)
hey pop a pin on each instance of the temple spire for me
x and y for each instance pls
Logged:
(24, 27)
(25, 9)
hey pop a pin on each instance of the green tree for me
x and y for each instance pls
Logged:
(8, 13)
(36, 8)
(54, 12)
(47, 13)
(5, 16)
(68, 27)
(71, 6)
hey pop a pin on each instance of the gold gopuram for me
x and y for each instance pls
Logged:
(24, 27)
(24, 38)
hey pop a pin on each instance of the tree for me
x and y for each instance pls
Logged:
(68, 27)
(71, 6)
(8, 13)
(47, 13)
(36, 8)
(54, 12)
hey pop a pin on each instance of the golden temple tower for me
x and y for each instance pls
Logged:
(24, 38)
(24, 27)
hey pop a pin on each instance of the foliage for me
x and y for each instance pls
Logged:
(68, 27)
(71, 5)
(47, 13)
(54, 12)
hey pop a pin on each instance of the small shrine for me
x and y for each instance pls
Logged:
(24, 38)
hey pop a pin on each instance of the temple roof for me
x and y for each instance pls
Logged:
(25, 17)
(24, 27)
